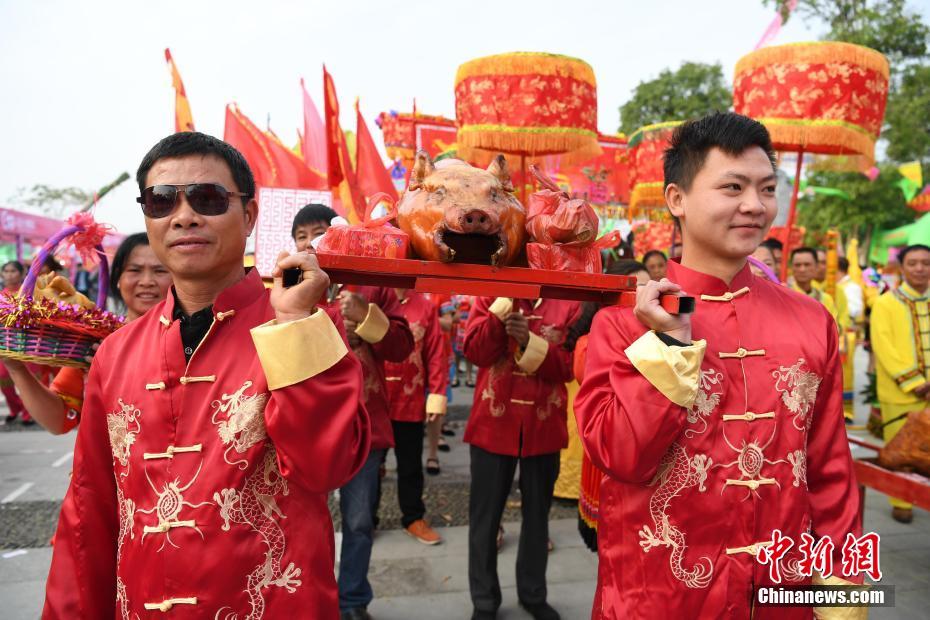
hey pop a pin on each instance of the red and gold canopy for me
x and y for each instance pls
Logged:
(527, 103)
(825, 97)
(400, 132)
(647, 177)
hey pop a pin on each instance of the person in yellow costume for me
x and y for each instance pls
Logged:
(900, 334)
(804, 269)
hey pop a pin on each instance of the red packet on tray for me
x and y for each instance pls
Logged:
(569, 256)
(552, 216)
(373, 237)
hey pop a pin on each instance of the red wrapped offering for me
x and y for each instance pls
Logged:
(374, 237)
(570, 257)
(554, 217)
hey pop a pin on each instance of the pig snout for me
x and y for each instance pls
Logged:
(478, 222)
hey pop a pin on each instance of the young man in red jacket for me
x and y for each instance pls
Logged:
(213, 427)
(377, 333)
(518, 417)
(416, 390)
(718, 428)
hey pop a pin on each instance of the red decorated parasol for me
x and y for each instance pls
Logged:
(527, 104)
(824, 97)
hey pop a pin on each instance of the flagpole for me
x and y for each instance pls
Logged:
(792, 215)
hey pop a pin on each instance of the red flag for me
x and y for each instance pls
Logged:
(313, 141)
(373, 177)
(183, 119)
(340, 173)
(272, 163)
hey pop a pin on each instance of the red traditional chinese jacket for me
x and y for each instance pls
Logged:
(520, 397)
(709, 448)
(199, 489)
(385, 337)
(425, 369)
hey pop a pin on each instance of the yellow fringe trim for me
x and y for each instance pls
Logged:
(527, 63)
(399, 152)
(814, 52)
(640, 134)
(647, 195)
(820, 136)
(529, 140)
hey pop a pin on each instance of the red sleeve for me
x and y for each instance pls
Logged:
(398, 341)
(831, 479)
(82, 578)
(320, 427)
(486, 341)
(625, 424)
(435, 359)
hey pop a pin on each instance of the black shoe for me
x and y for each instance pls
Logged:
(541, 611)
(448, 432)
(356, 613)
(483, 615)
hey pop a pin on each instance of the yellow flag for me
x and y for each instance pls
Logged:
(183, 119)
(912, 172)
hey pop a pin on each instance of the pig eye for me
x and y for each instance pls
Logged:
(440, 192)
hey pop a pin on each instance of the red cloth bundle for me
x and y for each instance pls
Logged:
(570, 257)
(554, 217)
(375, 238)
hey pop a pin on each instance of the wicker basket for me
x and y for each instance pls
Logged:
(66, 338)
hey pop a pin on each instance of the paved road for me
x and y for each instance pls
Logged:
(410, 580)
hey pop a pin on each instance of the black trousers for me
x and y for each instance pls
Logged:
(408, 449)
(491, 478)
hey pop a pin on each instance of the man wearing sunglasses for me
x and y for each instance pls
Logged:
(214, 426)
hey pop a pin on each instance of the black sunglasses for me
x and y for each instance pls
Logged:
(205, 198)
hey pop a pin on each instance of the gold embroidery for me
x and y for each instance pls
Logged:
(255, 507)
(554, 400)
(798, 391)
(123, 426)
(244, 425)
(416, 358)
(496, 409)
(676, 473)
(127, 510)
(752, 550)
(706, 401)
(168, 507)
(798, 460)
(551, 334)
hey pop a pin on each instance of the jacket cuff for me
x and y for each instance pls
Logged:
(534, 354)
(909, 380)
(837, 613)
(295, 351)
(501, 307)
(436, 404)
(375, 325)
(674, 371)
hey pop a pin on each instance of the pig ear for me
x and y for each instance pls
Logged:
(498, 168)
(422, 168)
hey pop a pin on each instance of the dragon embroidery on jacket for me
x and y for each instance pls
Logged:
(798, 392)
(123, 426)
(497, 409)
(554, 400)
(676, 473)
(255, 507)
(244, 425)
(706, 401)
(798, 460)
(126, 513)
(416, 359)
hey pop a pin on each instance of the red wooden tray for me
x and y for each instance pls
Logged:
(912, 488)
(485, 280)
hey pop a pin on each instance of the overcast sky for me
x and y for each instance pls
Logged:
(86, 90)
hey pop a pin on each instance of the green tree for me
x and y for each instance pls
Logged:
(872, 204)
(888, 26)
(54, 202)
(693, 90)
(908, 117)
